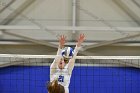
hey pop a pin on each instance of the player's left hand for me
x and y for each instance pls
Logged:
(80, 39)
(62, 41)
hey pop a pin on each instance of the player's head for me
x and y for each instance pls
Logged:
(54, 87)
(67, 53)
(62, 63)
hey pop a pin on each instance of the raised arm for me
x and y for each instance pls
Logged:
(62, 41)
(71, 63)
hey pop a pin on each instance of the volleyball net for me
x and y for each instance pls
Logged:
(91, 74)
(18, 59)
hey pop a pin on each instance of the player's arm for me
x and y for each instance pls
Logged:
(54, 65)
(77, 48)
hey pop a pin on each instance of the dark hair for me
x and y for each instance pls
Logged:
(54, 87)
(66, 60)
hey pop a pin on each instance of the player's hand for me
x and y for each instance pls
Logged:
(62, 41)
(80, 39)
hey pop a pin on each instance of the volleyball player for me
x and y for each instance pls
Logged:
(62, 66)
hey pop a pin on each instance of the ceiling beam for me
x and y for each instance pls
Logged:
(130, 8)
(109, 25)
(46, 43)
(74, 14)
(69, 28)
(110, 42)
(137, 2)
(16, 12)
(7, 5)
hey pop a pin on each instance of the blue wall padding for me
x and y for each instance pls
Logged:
(19, 79)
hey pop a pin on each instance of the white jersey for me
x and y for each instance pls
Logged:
(63, 77)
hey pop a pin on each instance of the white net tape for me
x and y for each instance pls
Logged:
(18, 59)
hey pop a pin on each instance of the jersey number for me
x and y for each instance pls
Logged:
(61, 78)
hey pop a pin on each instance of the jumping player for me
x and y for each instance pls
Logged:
(63, 64)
